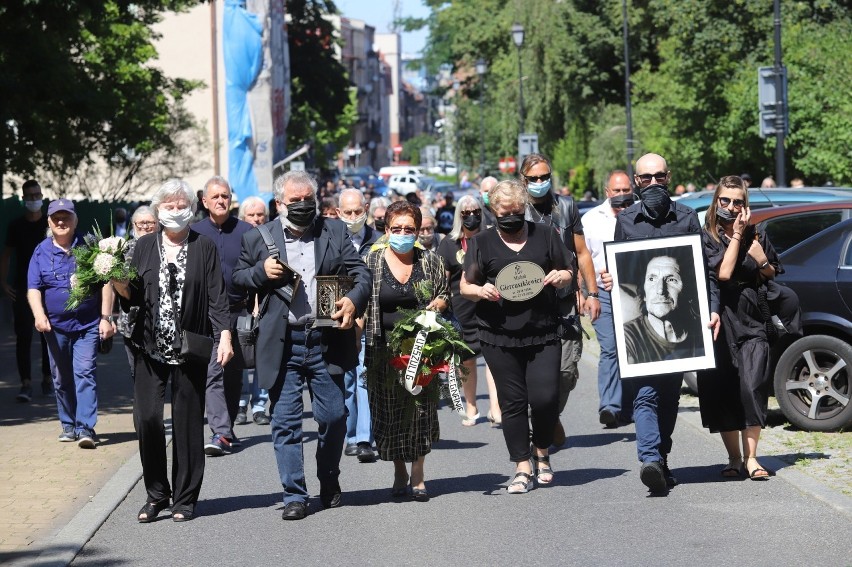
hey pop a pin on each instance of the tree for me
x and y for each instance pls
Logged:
(320, 88)
(76, 83)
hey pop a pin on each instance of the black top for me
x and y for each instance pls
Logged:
(516, 323)
(394, 295)
(204, 303)
(453, 253)
(23, 236)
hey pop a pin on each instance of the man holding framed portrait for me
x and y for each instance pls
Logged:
(654, 339)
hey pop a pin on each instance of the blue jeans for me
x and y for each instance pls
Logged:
(256, 396)
(302, 363)
(74, 358)
(358, 428)
(655, 400)
(609, 379)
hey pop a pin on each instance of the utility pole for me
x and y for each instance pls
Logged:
(629, 139)
(780, 104)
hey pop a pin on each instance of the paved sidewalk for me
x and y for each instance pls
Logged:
(46, 483)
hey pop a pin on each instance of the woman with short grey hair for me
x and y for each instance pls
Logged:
(180, 296)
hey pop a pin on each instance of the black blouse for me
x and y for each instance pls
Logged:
(516, 323)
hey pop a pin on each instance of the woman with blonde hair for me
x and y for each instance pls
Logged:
(518, 326)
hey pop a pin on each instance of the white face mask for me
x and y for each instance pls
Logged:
(175, 220)
(34, 206)
(355, 225)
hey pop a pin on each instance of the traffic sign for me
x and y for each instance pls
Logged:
(507, 165)
(770, 103)
(397, 149)
(527, 144)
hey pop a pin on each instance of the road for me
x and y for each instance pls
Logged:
(596, 512)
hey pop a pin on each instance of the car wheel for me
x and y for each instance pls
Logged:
(813, 383)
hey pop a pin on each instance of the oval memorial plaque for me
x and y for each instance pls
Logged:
(520, 281)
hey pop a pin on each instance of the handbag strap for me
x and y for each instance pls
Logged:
(267, 239)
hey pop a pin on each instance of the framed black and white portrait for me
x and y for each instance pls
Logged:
(660, 305)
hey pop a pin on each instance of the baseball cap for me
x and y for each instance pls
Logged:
(60, 205)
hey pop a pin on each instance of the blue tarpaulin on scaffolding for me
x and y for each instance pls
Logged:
(243, 55)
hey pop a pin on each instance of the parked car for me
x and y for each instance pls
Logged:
(790, 224)
(787, 226)
(813, 374)
(761, 198)
(404, 184)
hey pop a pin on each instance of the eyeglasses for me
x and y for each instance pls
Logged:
(145, 224)
(725, 201)
(466, 214)
(537, 178)
(660, 176)
(403, 230)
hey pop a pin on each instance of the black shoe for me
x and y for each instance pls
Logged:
(25, 395)
(351, 450)
(241, 418)
(671, 481)
(295, 511)
(331, 497)
(260, 418)
(652, 475)
(608, 418)
(365, 453)
(419, 495)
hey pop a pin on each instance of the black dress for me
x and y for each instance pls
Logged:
(453, 253)
(735, 394)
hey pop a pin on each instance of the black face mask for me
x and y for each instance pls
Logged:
(725, 216)
(472, 222)
(379, 224)
(621, 201)
(511, 224)
(655, 200)
(302, 213)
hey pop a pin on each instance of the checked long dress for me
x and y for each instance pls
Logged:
(404, 427)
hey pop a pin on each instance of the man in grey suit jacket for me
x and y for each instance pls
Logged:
(290, 351)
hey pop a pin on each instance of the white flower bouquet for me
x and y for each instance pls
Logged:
(99, 260)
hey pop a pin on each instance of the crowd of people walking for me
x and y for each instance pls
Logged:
(513, 267)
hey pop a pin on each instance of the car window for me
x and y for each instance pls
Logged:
(785, 232)
(847, 257)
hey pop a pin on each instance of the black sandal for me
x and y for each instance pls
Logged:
(541, 466)
(152, 510)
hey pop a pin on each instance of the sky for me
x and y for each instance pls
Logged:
(379, 14)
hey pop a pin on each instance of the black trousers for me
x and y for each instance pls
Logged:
(24, 325)
(188, 382)
(526, 377)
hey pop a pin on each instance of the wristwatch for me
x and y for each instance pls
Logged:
(763, 265)
(593, 294)
(108, 318)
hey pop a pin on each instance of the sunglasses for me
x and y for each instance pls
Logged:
(660, 176)
(476, 213)
(403, 230)
(537, 178)
(144, 224)
(725, 201)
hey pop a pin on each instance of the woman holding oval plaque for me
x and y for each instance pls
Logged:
(513, 271)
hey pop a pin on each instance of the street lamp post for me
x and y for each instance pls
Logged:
(518, 38)
(627, 92)
(481, 68)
